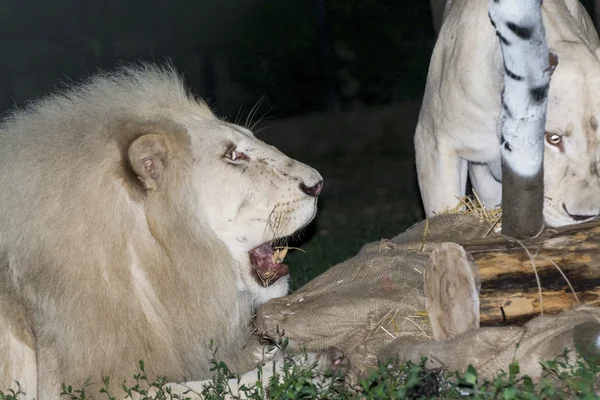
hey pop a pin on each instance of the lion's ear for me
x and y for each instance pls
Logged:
(148, 156)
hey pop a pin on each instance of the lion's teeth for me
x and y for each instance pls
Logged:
(279, 255)
(283, 253)
(275, 257)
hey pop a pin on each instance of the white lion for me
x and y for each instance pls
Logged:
(457, 129)
(135, 225)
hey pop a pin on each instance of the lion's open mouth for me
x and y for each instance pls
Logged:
(267, 263)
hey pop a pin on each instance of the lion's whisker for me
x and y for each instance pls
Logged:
(238, 115)
(253, 112)
(271, 225)
(262, 118)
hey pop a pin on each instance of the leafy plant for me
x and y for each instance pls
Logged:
(561, 379)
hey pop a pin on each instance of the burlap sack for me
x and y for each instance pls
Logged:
(371, 308)
(366, 302)
(542, 339)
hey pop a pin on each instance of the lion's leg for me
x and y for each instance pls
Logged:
(18, 364)
(272, 358)
(442, 174)
(321, 361)
(487, 188)
(17, 345)
(49, 380)
(272, 364)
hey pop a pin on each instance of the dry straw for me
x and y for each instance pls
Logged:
(474, 206)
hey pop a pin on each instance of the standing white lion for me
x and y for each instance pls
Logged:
(135, 225)
(457, 129)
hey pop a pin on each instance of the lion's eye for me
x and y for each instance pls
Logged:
(233, 155)
(553, 138)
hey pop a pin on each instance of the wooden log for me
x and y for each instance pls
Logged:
(566, 259)
(452, 288)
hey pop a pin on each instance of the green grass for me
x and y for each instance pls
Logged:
(560, 380)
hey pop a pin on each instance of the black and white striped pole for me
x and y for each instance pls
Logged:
(527, 70)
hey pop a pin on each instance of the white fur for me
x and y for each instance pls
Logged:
(145, 294)
(458, 130)
(125, 232)
(21, 365)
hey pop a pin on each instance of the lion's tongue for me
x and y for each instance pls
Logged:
(265, 271)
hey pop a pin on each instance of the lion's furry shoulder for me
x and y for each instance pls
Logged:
(83, 238)
(129, 216)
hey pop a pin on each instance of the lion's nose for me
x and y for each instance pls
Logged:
(578, 217)
(312, 191)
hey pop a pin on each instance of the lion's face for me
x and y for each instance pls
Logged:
(572, 155)
(130, 195)
(252, 195)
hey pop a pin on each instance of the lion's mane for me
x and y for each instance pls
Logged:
(88, 253)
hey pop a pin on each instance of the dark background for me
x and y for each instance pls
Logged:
(300, 55)
(336, 82)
